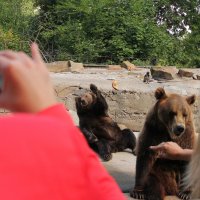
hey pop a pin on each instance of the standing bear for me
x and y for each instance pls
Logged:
(170, 119)
(101, 132)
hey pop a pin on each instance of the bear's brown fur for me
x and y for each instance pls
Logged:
(101, 132)
(170, 119)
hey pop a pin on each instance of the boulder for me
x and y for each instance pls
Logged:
(128, 65)
(122, 168)
(58, 66)
(196, 77)
(75, 67)
(114, 67)
(166, 73)
(185, 73)
(74, 117)
(86, 65)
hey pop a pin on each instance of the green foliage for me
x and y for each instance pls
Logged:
(105, 31)
(9, 40)
(14, 24)
(175, 15)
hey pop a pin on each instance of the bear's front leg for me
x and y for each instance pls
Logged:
(90, 137)
(101, 104)
(144, 163)
(104, 149)
(127, 141)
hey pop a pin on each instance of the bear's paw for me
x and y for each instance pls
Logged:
(137, 194)
(184, 195)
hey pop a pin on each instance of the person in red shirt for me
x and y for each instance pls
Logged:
(43, 155)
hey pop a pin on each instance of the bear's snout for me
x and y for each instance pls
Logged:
(179, 129)
(77, 99)
(83, 102)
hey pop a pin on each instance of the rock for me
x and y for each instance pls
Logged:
(122, 168)
(185, 73)
(75, 67)
(167, 73)
(127, 65)
(74, 116)
(196, 77)
(95, 66)
(57, 67)
(114, 67)
(122, 126)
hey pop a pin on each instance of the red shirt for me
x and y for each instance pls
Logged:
(45, 157)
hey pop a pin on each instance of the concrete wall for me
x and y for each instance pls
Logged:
(125, 107)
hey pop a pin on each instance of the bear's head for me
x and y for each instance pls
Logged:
(86, 101)
(174, 111)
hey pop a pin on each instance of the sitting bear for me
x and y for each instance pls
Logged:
(170, 119)
(101, 132)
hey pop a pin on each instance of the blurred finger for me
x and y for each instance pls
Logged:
(9, 54)
(4, 62)
(158, 147)
(162, 154)
(9, 66)
(154, 147)
(24, 58)
(36, 53)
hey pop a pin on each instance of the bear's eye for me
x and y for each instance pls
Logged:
(185, 115)
(172, 113)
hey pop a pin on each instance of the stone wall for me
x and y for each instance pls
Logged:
(125, 107)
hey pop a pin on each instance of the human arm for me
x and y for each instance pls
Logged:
(172, 151)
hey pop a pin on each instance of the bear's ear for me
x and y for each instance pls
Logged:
(160, 93)
(191, 99)
(93, 88)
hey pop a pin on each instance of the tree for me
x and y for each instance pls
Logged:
(111, 31)
(14, 22)
(182, 19)
(101, 31)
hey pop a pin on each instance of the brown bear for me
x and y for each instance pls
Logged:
(101, 132)
(170, 119)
